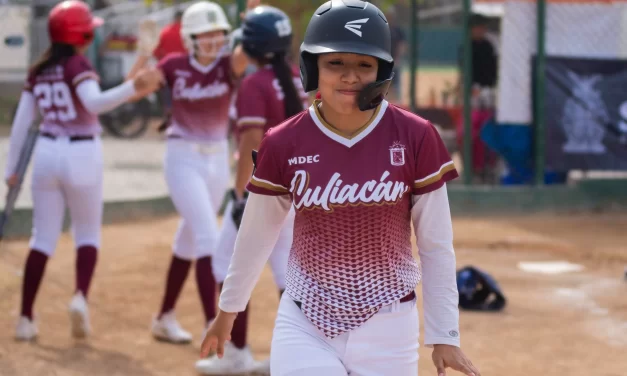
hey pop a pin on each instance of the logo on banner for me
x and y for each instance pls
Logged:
(622, 124)
(584, 116)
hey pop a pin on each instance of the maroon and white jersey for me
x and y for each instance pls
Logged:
(351, 252)
(200, 96)
(259, 102)
(54, 90)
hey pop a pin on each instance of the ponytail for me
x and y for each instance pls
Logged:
(54, 55)
(283, 72)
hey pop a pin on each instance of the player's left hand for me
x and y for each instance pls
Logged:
(12, 180)
(447, 356)
(250, 4)
(219, 332)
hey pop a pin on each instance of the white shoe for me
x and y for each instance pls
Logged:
(168, 329)
(234, 362)
(79, 316)
(26, 329)
(263, 368)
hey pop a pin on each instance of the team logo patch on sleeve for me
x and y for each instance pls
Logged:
(397, 154)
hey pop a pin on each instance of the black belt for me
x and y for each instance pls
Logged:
(72, 138)
(407, 298)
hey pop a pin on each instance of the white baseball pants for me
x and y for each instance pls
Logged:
(278, 257)
(197, 176)
(66, 173)
(387, 344)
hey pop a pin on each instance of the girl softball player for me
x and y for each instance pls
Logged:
(196, 160)
(67, 162)
(265, 98)
(358, 171)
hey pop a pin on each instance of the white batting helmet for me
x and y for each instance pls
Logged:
(202, 17)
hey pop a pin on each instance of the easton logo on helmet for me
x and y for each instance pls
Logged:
(355, 26)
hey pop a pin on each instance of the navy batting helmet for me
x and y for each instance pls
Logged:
(478, 291)
(351, 26)
(266, 30)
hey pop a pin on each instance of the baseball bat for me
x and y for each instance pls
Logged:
(22, 164)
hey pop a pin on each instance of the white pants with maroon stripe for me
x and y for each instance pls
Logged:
(278, 257)
(66, 173)
(385, 345)
(197, 176)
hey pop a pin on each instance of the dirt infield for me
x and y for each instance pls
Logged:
(567, 324)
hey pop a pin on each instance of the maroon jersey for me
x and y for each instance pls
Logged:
(54, 90)
(200, 96)
(259, 103)
(351, 252)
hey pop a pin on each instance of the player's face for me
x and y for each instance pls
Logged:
(210, 43)
(341, 76)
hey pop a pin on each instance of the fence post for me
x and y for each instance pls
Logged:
(413, 56)
(467, 83)
(539, 130)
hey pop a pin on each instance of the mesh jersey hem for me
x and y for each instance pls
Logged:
(446, 173)
(332, 332)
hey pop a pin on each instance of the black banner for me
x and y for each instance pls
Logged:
(586, 114)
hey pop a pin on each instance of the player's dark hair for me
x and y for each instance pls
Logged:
(55, 54)
(283, 72)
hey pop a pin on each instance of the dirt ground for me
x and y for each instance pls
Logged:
(566, 324)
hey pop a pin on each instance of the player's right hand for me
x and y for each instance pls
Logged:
(12, 180)
(219, 332)
(148, 80)
(237, 211)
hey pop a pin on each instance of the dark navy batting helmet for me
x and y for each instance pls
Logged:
(478, 291)
(350, 26)
(266, 30)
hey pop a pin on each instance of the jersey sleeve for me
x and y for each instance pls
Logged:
(433, 164)
(267, 176)
(164, 65)
(78, 69)
(250, 106)
(30, 83)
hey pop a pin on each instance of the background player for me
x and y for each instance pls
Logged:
(67, 162)
(196, 160)
(370, 169)
(265, 98)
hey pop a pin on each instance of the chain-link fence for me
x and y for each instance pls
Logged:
(529, 120)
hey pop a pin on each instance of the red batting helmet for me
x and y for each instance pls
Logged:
(71, 22)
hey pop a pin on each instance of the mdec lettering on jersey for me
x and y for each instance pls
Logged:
(303, 160)
(338, 194)
(197, 92)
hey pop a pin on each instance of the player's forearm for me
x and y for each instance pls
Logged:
(258, 233)
(239, 61)
(24, 116)
(249, 140)
(97, 101)
(434, 234)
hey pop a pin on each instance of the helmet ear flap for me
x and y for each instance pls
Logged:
(309, 71)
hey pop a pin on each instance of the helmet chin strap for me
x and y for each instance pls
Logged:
(373, 94)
